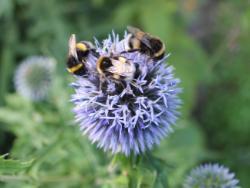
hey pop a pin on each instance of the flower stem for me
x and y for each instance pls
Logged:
(134, 179)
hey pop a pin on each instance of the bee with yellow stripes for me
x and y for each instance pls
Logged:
(78, 52)
(145, 43)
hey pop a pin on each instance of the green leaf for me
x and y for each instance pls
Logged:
(10, 166)
(6, 8)
(11, 117)
(187, 140)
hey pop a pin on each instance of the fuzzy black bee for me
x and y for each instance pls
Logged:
(145, 43)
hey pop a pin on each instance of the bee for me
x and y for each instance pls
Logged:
(118, 68)
(78, 52)
(138, 40)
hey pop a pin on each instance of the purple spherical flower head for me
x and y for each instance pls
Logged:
(211, 176)
(128, 116)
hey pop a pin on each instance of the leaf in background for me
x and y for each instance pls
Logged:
(9, 116)
(183, 149)
(6, 8)
(10, 166)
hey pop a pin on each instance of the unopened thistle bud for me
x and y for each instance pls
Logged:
(211, 176)
(33, 77)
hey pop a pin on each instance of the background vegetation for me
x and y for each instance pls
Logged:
(209, 42)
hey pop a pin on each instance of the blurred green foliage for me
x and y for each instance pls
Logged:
(209, 44)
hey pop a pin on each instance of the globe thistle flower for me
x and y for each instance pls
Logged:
(126, 117)
(211, 176)
(33, 77)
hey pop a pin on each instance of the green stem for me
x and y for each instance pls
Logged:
(134, 178)
(6, 178)
(45, 179)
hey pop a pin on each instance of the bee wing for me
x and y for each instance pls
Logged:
(146, 40)
(116, 68)
(133, 30)
(138, 34)
(121, 69)
(91, 45)
(72, 46)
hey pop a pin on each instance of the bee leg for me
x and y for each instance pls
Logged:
(101, 83)
(95, 53)
(129, 51)
(100, 86)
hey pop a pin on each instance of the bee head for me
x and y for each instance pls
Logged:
(103, 63)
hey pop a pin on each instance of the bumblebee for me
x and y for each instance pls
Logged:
(118, 68)
(138, 40)
(78, 52)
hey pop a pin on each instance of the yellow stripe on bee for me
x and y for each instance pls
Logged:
(98, 65)
(75, 68)
(81, 46)
(162, 50)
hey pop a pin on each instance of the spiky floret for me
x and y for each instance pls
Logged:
(33, 77)
(211, 176)
(127, 116)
